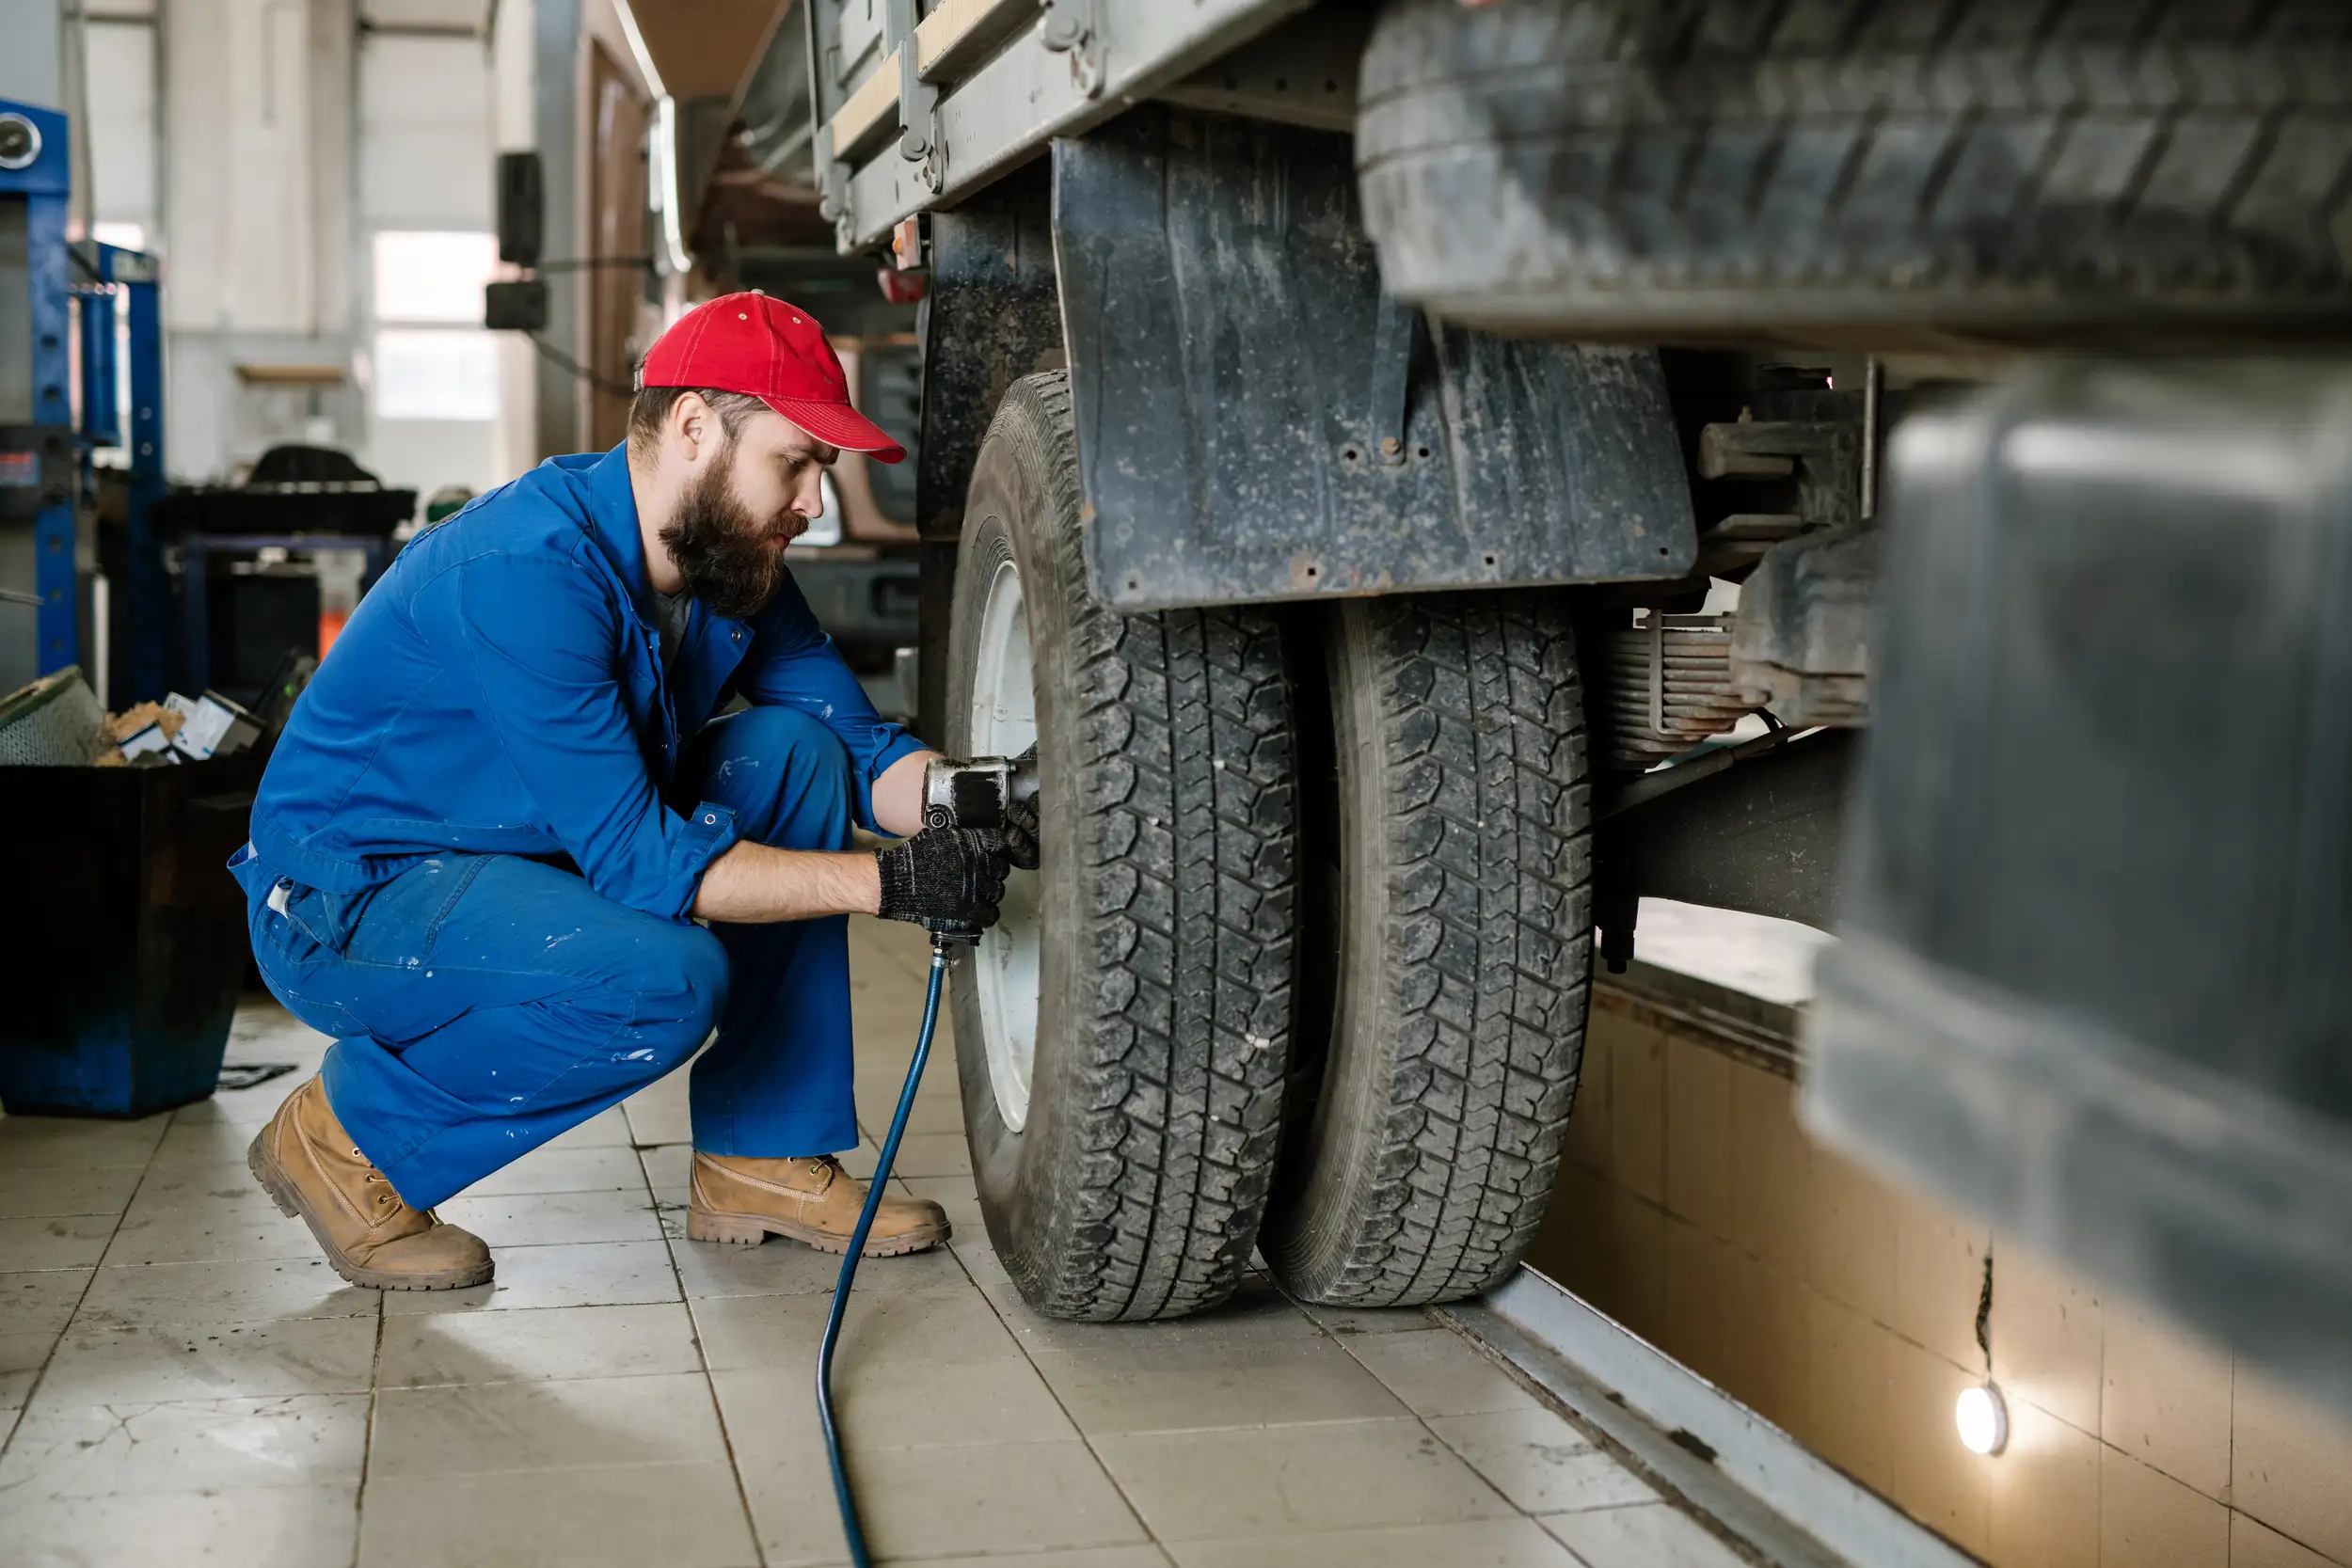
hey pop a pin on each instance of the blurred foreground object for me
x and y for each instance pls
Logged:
(1910, 177)
(2096, 985)
(54, 721)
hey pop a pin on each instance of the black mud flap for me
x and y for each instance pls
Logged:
(1257, 421)
(2096, 981)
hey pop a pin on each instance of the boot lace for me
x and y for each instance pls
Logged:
(377, 1179)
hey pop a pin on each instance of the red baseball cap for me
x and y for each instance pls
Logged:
(773, 351)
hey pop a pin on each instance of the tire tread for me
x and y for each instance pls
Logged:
(1486, 956)
(1185, 840)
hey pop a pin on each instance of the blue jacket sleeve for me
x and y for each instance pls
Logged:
(539, 644)
(793, 662)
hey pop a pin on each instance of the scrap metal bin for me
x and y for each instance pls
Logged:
(128, 944)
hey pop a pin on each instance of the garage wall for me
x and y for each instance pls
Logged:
(125, 157)
(256, 228)
(1692, 1208)
(426, 150)
(287, 132)
(259, 144)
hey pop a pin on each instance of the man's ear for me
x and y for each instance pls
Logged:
(693, 423)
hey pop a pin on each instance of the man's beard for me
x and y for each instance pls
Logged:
(729, 561)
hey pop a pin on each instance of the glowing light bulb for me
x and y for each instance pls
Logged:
(1982, 1419)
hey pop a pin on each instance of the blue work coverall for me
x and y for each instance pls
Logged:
(496, 708)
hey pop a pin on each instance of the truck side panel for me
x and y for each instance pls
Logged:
(1069, 68)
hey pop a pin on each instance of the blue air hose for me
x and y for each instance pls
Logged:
(850, 1527)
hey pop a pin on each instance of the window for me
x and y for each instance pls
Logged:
(421, 373)
(433, 360)
(430, 276)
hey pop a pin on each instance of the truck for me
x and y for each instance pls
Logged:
(1420, 474)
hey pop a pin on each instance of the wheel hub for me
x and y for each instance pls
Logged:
(1005, 967)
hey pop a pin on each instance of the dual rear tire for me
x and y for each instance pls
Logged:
(1124, 1151)
(1304, 969)
(1426, 1115)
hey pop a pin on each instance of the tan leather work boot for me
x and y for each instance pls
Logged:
(307, 1162)
(744, 1201)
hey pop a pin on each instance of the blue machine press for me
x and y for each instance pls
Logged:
(81, 373)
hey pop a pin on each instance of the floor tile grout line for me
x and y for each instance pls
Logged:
(702, 1358)
(367, 1441)
(587, 1467)
(1101, 1464)
(1667, 1494)
(32, 1390)
(313, 1257)
(1423, 1421)
(1068, 1415)
(1002, 1311)
(558, 1377)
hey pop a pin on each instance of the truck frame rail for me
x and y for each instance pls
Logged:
(917, 111)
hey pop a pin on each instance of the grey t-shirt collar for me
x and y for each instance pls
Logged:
(670, 614)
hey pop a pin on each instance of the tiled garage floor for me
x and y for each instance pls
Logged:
(182, 1380)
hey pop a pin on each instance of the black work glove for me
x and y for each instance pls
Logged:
(1021, 820)
(972, 793)
(954, 876)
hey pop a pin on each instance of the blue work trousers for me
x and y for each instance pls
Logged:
(483, 1003)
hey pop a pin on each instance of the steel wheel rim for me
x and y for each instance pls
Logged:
(1005, 967)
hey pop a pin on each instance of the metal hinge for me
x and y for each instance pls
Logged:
(833, 185)
(919, 138)
(1075, 27)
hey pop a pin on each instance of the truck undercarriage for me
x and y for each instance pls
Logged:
(1429, 477)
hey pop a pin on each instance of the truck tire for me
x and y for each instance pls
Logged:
(1123, 1162)
(1879, 173)
(1425, 1138)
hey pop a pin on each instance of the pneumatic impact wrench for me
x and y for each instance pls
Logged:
(992, 793)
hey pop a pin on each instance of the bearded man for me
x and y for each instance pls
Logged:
(486, 837)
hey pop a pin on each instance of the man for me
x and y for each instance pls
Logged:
(483, 842)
